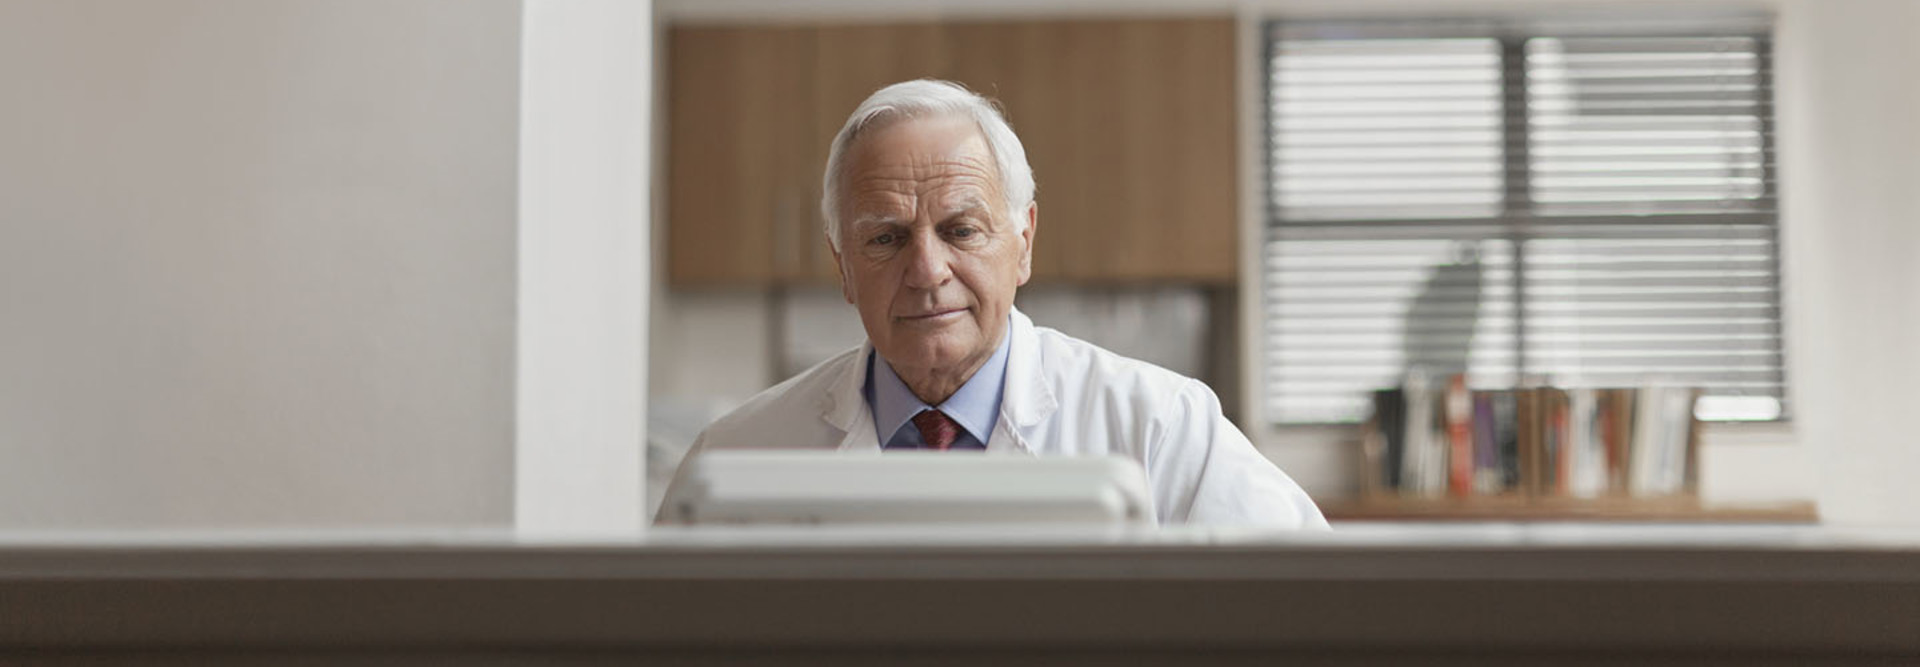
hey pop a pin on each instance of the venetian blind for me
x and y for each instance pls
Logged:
(1524, 203)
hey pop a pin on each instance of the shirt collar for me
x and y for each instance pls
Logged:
(975, 406)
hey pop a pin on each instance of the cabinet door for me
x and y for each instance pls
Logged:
(1174, 197)
(740, 109)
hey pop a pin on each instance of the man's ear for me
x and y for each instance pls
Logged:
(1026, 244)
(846, 288)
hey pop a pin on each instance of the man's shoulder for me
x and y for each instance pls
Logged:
(795, 402)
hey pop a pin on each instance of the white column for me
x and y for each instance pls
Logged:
(1850, 153)
(583, 267)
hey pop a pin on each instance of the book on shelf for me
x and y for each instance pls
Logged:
(1438, 438)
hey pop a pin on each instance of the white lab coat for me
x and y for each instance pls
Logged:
(1064, 397)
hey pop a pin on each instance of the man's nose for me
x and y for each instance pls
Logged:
(928, 262)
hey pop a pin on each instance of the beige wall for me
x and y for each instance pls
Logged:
(1850, 168)
(257, 263)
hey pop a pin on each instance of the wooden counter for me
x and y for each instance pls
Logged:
(1484, 595)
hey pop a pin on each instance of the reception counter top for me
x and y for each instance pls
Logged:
(1377, 594)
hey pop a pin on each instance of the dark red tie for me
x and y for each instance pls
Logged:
(937, 429)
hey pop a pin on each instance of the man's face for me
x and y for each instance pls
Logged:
(927, 252)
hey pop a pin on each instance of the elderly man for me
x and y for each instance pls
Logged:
(929, 207)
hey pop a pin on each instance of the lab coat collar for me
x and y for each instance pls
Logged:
(1026, 402)
(845, 405)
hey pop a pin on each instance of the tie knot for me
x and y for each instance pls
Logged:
(937, 429)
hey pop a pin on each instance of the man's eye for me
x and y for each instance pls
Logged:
(883, 239)
(964, 232)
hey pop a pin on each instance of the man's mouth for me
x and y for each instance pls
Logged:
(935, 315)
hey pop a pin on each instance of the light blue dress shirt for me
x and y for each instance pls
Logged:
(975, 406)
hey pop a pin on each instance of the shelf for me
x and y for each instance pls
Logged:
(1517, 508)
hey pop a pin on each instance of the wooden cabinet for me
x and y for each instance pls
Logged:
(1129, 126)
(739, 111)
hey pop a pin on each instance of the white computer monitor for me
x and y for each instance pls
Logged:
(747, 487)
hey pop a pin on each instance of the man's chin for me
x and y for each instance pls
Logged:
(926, 352)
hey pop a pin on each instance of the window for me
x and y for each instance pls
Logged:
(1526, 202)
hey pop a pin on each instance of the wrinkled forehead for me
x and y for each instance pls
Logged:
(944, 158)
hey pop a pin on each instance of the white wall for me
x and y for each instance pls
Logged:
(711, 344)
(1850, 153)
(257, 263)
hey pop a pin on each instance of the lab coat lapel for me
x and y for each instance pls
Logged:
(844, 406)
(1026, 401)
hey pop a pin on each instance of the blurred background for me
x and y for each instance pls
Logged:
(435, 264)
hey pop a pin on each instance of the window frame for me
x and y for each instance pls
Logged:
(1512, 33)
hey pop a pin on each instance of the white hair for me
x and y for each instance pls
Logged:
(924, 98)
